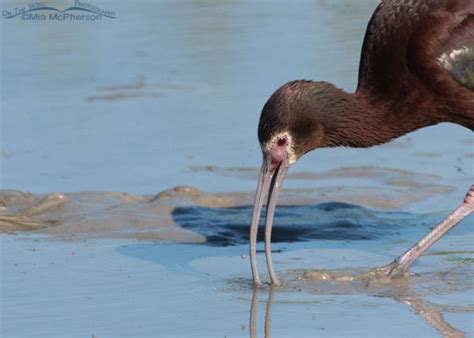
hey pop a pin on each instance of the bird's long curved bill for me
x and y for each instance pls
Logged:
(270, 180)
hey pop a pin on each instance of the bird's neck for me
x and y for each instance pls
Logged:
(358, 120)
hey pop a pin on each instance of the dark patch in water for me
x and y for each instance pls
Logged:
(327, 221)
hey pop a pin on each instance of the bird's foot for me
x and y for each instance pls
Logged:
(388, 274)
(390, 270)
(399, 267)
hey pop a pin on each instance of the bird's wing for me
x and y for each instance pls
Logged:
(457, 54)
(414, 44)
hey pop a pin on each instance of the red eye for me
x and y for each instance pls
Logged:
(281, 142)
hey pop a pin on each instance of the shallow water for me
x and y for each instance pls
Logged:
(99, 121)
(111, 287)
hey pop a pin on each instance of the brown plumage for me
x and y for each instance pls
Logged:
(402, 85)
(416, 70)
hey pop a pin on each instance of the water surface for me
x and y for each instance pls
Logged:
(100, 121)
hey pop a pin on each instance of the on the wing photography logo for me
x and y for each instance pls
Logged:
(40, 11)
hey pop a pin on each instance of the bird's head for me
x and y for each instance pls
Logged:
(292, 123)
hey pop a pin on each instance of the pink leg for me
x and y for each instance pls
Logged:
(403, 263)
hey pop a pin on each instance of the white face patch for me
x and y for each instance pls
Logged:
(267, 147)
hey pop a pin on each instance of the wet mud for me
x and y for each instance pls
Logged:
(186, 214)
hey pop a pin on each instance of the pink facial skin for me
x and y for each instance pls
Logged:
(279, 152)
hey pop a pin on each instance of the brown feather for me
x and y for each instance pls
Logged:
(402, 85)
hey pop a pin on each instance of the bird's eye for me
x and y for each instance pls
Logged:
(281, 142)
